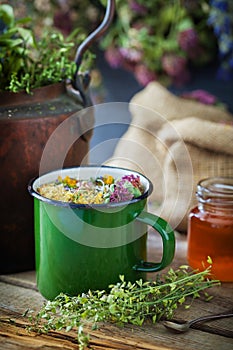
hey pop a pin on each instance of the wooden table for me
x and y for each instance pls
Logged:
(18, 293)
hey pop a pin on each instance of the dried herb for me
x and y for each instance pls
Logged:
(124, 302)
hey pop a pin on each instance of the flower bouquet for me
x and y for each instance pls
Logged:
(159, 40)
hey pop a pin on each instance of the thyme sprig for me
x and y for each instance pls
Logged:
(124, 302)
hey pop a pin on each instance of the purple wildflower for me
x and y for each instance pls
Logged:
(135, 180)
(201, 96)
(62, 21)
(120, 193)
(126, 188)
(113, 57)
(143, 75)
(138, 8)
(188, 40)
(174, 65)
(131, 54)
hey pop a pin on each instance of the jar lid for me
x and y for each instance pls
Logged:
(216, 190)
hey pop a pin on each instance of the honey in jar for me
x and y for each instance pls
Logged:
(210, 228)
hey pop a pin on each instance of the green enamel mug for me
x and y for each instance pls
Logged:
(87, 246)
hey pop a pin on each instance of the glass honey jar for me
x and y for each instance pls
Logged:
(210, 228)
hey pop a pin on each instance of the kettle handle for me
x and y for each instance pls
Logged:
(97, 33)
(79, 84)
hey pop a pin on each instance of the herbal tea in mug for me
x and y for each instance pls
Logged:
(91, 226)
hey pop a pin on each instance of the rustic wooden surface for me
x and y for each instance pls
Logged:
(18, 293)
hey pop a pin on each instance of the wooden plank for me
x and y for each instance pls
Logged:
(14, 336)
(25, 279)
(13, 328)
(19, 299)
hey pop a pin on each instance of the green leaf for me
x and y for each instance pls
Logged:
(10, 42)
(181, 300)
(24, 20)
(185, 24)
(69, 328)
(27, 36)
(7, 15)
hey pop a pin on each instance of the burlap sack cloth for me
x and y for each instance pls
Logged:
(175, 142)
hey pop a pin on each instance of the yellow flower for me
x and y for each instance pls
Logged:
(69, 181)
(99, 198)
(108, 179)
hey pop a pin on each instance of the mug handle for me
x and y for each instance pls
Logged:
(168, 238)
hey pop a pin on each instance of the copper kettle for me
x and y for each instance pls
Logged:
(26, 124)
